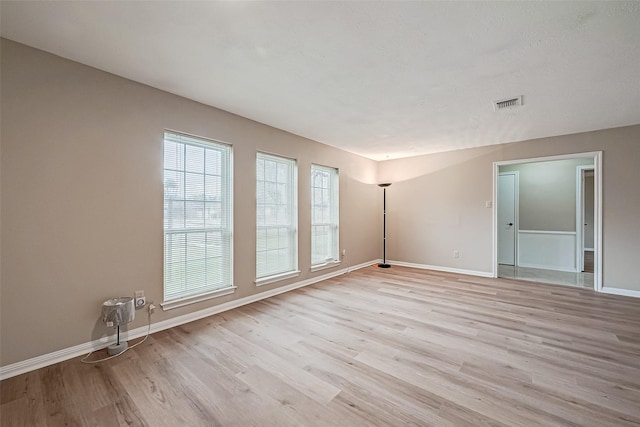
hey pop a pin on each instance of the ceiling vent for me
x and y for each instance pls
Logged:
(508, 103)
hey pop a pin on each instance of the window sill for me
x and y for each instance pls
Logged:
(324, 266)
(276, 278)
(170, 305)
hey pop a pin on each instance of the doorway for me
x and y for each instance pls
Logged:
(585, 226)
(548, 237)
(507, 217)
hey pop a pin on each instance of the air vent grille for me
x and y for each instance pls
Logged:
(507, 103)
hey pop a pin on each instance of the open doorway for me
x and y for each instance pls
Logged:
(585, 189)
(507, 217)
(555, 197)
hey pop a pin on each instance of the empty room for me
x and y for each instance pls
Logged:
(350, 213)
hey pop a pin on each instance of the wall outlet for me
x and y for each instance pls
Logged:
(456, 254)
(139, 299)
(344, 253)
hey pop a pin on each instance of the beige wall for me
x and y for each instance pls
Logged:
(547, 194)
(437, 202)
(82, 197)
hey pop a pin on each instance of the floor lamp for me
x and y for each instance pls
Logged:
(384, 226)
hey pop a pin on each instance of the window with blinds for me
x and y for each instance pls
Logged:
(197, 217)
(276, 217)
(324, 215)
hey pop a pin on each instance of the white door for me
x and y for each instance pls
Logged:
(507, 218)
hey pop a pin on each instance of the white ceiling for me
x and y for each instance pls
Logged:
(381, 79)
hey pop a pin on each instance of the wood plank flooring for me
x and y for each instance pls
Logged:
(374, 347)
(589, 259)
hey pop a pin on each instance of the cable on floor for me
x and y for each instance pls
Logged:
(84, 359)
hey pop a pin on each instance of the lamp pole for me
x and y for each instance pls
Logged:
(384, 226)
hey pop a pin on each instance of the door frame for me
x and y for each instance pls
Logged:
(516, 212)
(597, 201)
(580, 174)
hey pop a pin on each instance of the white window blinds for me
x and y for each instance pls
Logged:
(197, 217)
(324, 215)
(276, 216)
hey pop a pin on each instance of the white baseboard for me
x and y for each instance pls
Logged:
(445, 269)
(618, 291)
(38, 362)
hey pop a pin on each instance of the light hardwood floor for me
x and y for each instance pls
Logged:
(552, 277)
(372, 348)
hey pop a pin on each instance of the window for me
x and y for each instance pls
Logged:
(197, 219)
(276, 219)
(324, 216)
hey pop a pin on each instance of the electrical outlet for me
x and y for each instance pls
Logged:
(152, 308)
(344, 253)
(139, 299)
(456, 254)
(140, 302)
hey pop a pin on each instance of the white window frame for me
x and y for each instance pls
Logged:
(266, 254)
(192, 295)
(332, 202)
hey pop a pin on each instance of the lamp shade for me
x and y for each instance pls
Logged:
(118, 311)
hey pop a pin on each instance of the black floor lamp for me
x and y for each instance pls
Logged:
(384, 226)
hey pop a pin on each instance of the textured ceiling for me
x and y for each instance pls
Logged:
(381, 79)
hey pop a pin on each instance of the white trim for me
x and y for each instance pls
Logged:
(226, 202)
(193, 135)
(516, 219)
(588, 155)
(548, 250)
(597, 200)
(62, 355)
(580, 215)
(494, 215)
(38, 362)
(568, 233)
(276, 278)
(439, 268)
(293, 227)
(276, 155)
(516, 213)
(588, 249)
(618, 291)
(329, 264)
(181, 302)
(334, 204)
(597, 237)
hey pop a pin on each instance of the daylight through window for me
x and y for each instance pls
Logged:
(197, 216)
(276, 216)
(324, 215)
